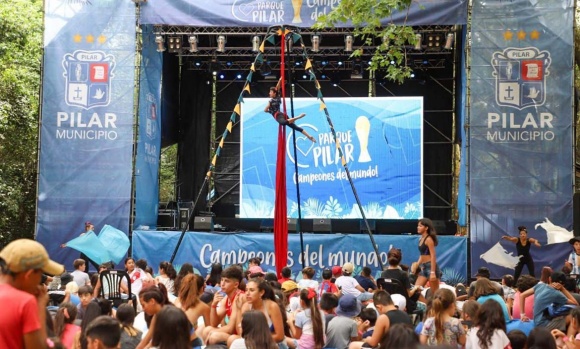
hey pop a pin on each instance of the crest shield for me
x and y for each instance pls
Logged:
(520, 76)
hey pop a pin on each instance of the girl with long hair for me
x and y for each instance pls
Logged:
(186, 268)
(442, 327)
(307, 326)
(130, 336)
(171, 330)
(215, 275)
(166, 276)
(260, 297)
(153, 299)
(489, 329)
(64, 327)
(188, 300)
(255, 332)
(426, 266)
(485, 290)
(136, 275)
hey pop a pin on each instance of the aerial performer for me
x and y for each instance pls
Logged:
(274, 109)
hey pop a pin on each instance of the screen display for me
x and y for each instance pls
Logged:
(381, 141)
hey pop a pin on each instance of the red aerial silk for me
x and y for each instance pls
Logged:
(280, 209)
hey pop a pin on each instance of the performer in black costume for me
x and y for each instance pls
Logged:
(523, 244)
(274, 109)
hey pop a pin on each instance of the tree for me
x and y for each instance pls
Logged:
(20, 62)
(366, 17)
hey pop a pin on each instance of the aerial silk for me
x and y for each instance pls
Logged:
(280, 209)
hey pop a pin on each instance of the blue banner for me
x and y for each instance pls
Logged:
(86, 138)
(322, 250)
(381, 138)
(302, 13)
(149, 142)
(521, 130)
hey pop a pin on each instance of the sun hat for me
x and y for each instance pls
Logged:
(348, 306)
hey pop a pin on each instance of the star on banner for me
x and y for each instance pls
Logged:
(535, 35)
(102, 39)
(508, 35)
(521, 35)
(77, 38)
(90, 39)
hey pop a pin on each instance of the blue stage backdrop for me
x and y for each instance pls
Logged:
(302, 13)
(86, 138)
(322, 250)
(382, 142)
(521, 163)
(149, 143)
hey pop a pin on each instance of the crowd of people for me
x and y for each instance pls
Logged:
(243, 307)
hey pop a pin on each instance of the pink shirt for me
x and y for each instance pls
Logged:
(19, 316)
(68, 335)
(528, 307)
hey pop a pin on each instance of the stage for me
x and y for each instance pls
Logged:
(322, 250)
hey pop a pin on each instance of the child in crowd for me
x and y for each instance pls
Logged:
(86, 296)
(79, 275)
(130, 336)
(255, 332)
(368, 316)
(489, 329)
(166, 276)
(307, 326)
(286, 274)
(348, 285)
(442, 327)
(401, 336)
(308, 279)
(103, 333)
(152, 299)
(171, 330)
(342, 329)
(327, 285)
(64, 326)
(328, 304)
(507, 284)
(517, 339)
(572, 341)
(469, 313)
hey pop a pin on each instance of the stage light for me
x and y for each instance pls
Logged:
(192, 43)
(434, 41)
(304, 76)
(412, 75)
(418, 37)
(323, 76)
(229, 63)
(265, 69)
(392, 62)
(315, 43)
(174, 43)
(357, 71)
(348, 41)
(239, 76)
(222, 76)
(214, 66)
(335, 79)
(160, 43)
(221, 44)
(449, 41)
(256, 43)
(324, 62)
(340, 63)
(197, 63)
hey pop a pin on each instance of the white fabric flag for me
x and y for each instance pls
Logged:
(499, 256)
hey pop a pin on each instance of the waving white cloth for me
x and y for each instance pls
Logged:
(555, 233)
(499, 256)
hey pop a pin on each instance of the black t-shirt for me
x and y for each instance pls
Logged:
(398, 317)
(397, 274)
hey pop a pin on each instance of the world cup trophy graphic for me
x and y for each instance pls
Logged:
(363, 128)
(297, 6)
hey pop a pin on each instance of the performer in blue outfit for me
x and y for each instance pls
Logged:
(274, 109)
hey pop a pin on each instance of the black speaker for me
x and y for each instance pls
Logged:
(576, 213)
(372, 226)
(292, 224)
(267, 225)
(203, 224)
(183, 217)
(166, 219)
(321, 225)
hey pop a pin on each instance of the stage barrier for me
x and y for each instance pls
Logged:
(322, 250)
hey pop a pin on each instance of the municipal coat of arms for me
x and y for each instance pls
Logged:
(520, 76)
(88, 77)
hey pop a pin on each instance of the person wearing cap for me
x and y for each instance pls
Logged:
(426, 266)
(23, 298)
(523, 244)
(348, 285)
(291, 293)
(546, 294)
(343, 329)
(336, 272)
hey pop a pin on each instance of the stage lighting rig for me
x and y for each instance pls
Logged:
(160, 43)
(221, 44)
(193, 43)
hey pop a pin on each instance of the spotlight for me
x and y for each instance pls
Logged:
(335, 79)
(256, 43)
(357, 72)
(197, 63)
(174, 43)
(324, 62)
(315, 43)
(265, 69)
(214, 66)
(222, 76)
(418, 38)
(221, 44)
(340, 63)
(348, 40)
(434, 41)
(304, 76)
(449, 41)
(239, 76)
(160, 43)
(192, 43)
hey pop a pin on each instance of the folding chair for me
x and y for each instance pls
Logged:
(111, 281)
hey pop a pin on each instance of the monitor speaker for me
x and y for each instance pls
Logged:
(322, 225)
(203, 224)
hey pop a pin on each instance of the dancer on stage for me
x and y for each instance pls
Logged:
(426, 266)
(274, 109)
(523, 244)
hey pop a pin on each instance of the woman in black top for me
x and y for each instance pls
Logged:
(394, 271)
(523, 244)
(273, 108)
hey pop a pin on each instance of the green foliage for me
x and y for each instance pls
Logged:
(20, 57)
(366, 17)
(167, 173)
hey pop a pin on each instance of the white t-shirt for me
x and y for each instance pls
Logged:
(306, 283)
(239, 343)
(347, 284)
(81, 278)
(499, 340)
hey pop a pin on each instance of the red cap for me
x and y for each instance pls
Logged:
(336, 270)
